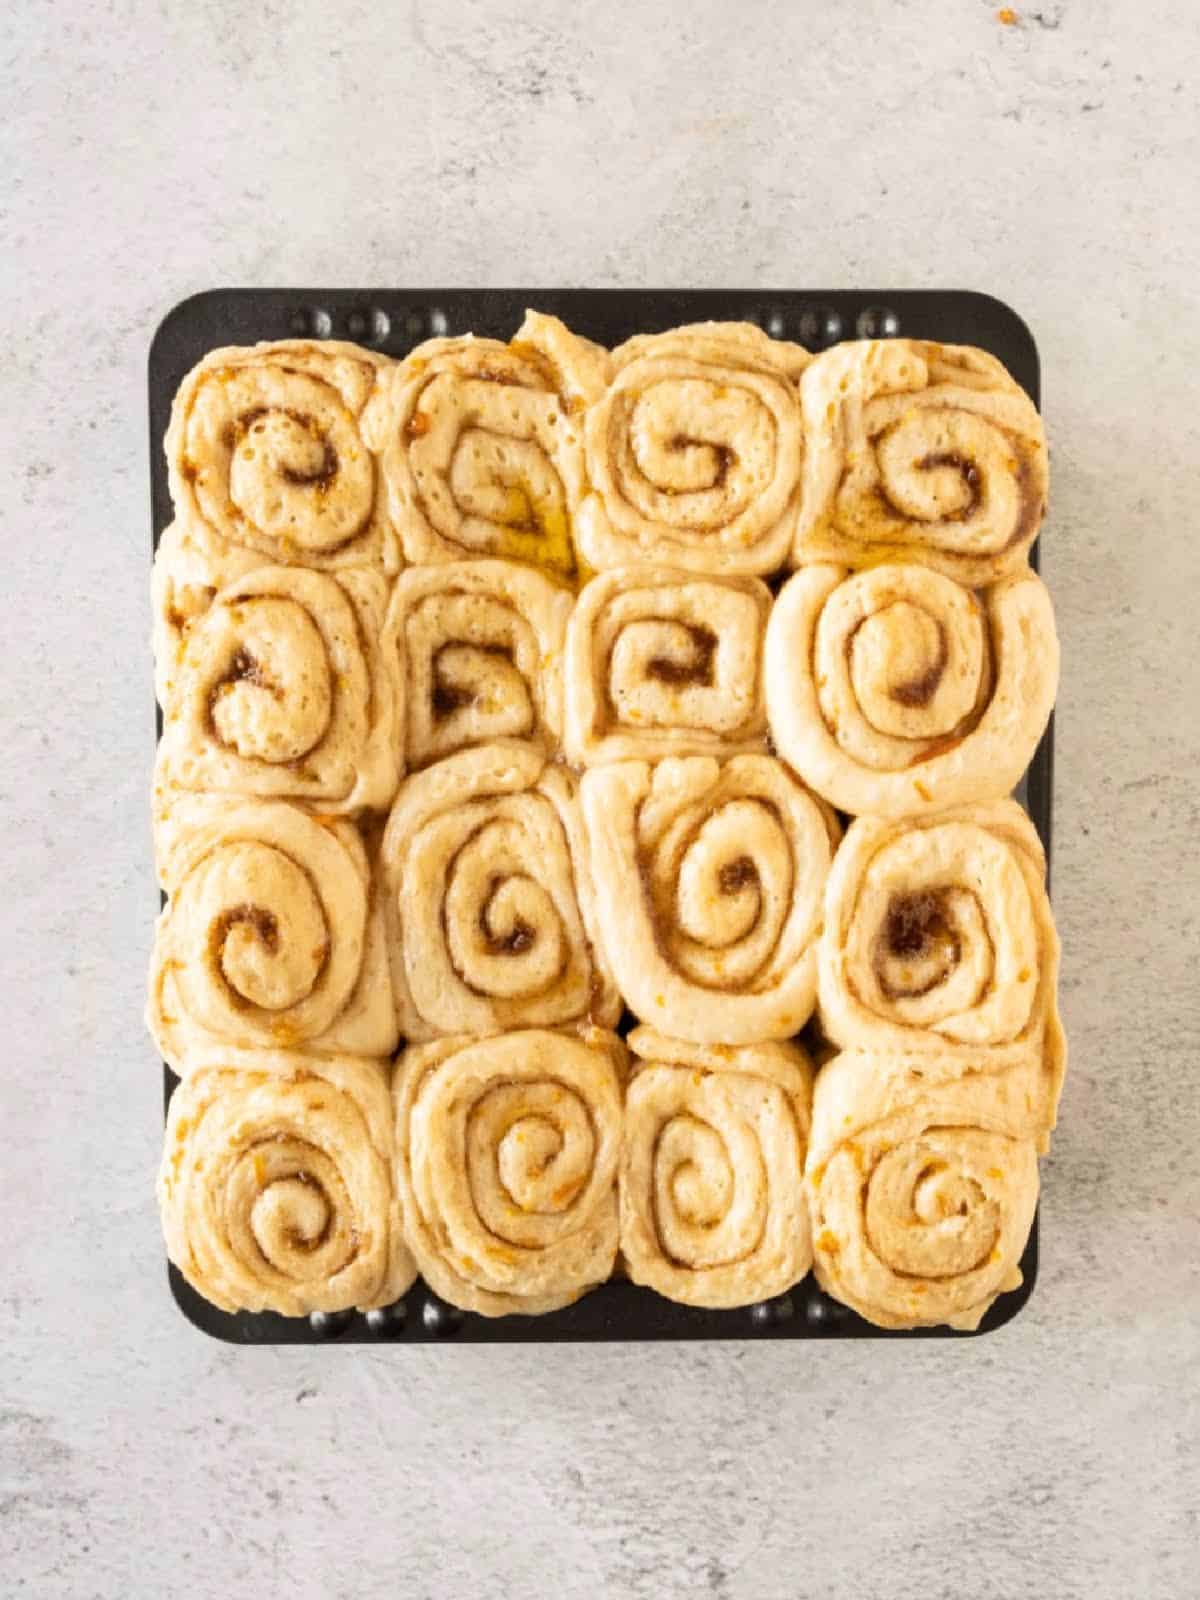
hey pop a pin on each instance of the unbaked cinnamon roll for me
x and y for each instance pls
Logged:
(506, 1164)
(920, 452)
(711, 879)
(694, 452)
(271, 935)
(266, 454)
(488, 898)
(482, 445)
(922, 1186)
(897, 690)
(478, 647)
(938, 932)
(276, 1184)
(662, 662)
(281, 689)
(713, 1208)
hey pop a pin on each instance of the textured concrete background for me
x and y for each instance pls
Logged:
(149, 150)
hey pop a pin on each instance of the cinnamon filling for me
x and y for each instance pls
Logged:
(735, 875)
(917, 928)
(318, 477)
(698, 670)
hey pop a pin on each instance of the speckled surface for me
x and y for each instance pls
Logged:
(151, 150)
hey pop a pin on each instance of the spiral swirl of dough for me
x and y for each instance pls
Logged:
(896, 690)
(270, 936)
(276, 1186)
(922, 1192)
(938, 932)
(713, 1209)
(920, 452)
(506, 1162)
(482, 445)
(488, 898)
(266, 453)
(479, 647)
(713, 876)
(664, 662)
(282, 690)
(694, 452)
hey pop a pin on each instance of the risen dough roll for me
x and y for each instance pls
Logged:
(920, 452)
(922, 1192)
(664, 662)
(938, 931)
(276, 1185)
(478, 646)
(694, 452)
(188, 571)
(482, 445)
(271, 935)
(488, 898)
(713, 1209)
(281, 689)
(711, 882)
(896, 690)
(266, 454)
(506, 1166)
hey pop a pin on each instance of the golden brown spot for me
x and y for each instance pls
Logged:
(738, 874)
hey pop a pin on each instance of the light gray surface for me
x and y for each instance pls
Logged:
(1055, 163)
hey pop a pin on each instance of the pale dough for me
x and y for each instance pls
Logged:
(660, 661)
(897, 690)
(506, 1166)
(713, 1208)
(488, 898)
(920, 452)
(276, 1184)
(694, 452)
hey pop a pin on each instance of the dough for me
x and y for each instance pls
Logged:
(897, 690)
(276, 1185)
(694, 452)
(506, 1166)
(713, 1208)
(488, 898)
(923, 1187)
(478, 648)
(710, 880)
(920, 452)
(665, 662)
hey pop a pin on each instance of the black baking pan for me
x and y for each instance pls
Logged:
(393, 321)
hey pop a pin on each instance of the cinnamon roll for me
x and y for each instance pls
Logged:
(662, 662)
(897, 690)
(712, 877)
(922, 1187)
(276, 1185)
(482, 445)
(938, 932)
(694, 452)
(488, 898)
(266, 454)
(478, 647)
(920, 452)
(281, 690)
(188, 572)
(713, 1208)
(271, 935)
(506, 1166)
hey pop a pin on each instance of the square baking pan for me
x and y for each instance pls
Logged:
(393, 321)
